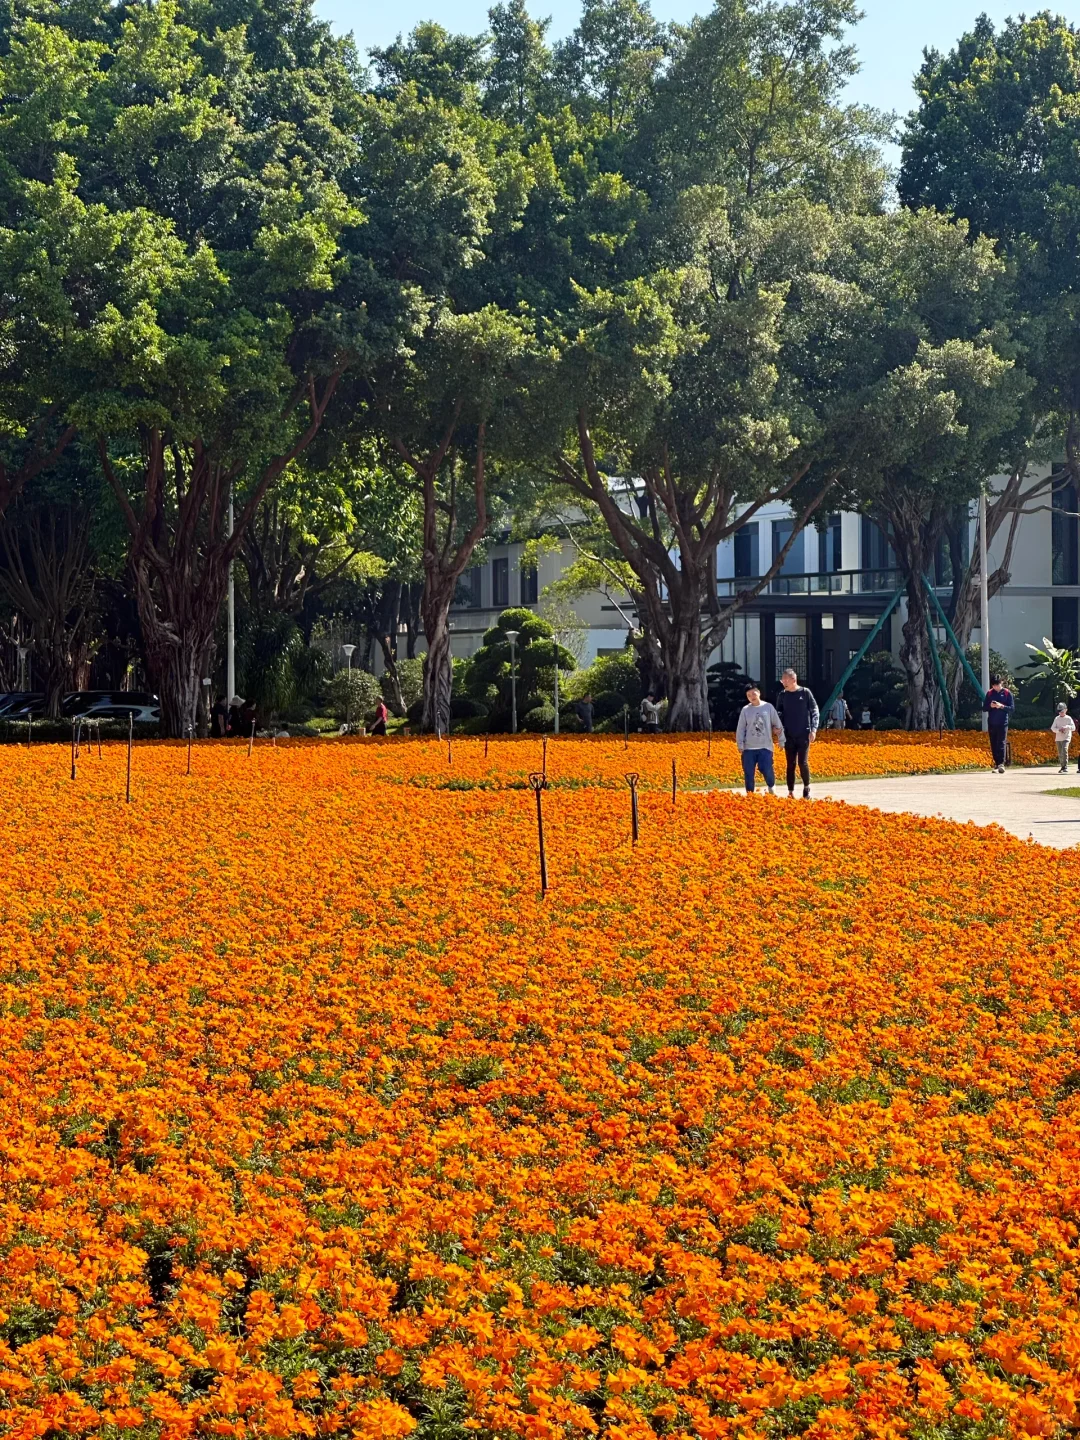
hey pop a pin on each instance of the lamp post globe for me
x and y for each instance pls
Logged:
(512, 636)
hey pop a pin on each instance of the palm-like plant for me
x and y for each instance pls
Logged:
(1058, 669)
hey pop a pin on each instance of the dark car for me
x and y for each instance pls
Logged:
(21, 704)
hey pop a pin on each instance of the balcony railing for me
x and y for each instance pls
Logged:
(835, 582)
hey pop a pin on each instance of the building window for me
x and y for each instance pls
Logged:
(746, 551)
(500, 584)
(876, 551)
(862, 622)
(1065, 622)
(529, 585)
(830, 547)
(468, 589)
(826, 622)
(1063, 529)
(781, 534)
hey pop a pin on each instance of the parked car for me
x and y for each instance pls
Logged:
(19, 704)
(112, 705)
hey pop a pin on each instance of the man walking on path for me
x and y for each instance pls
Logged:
(997, 705)
(758, 726)
(839, 715)
(798, 711)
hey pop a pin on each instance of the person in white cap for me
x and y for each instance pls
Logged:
(1063, 727)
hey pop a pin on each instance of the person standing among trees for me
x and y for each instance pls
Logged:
(759, 725)
(998, 704)
(800, 717)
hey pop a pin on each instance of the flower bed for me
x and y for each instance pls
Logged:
(316, 1119)
(700, 763)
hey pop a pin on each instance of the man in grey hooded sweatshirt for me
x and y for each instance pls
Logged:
(758, 729)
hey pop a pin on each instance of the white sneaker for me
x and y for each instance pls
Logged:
(771, 790)
(1001, 770)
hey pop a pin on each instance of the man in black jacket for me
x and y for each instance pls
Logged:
(798, 711)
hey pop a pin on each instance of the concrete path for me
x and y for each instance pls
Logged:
(1016, 800)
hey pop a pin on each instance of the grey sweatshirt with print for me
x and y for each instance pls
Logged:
(756, 726)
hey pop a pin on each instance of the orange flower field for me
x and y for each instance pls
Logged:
(573, 761)
(318, 1120)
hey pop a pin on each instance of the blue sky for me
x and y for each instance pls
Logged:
(890, 38)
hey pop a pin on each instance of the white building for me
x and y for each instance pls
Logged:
(815, 614)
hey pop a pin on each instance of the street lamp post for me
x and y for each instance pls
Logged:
(206, 701)
(23, 652)
(512, 636)
(348, 691)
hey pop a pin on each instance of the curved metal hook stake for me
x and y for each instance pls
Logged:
(538, 784)
(632, 780)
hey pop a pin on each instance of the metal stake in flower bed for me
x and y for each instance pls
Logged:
(189, 730)
(251, 738)
(29, 729)
(73, 749)
(99, 739)
(632, 780)
(626, 727)
(545, 759)
(674, 784)
(539, 785)
(131, 732)
(485, 746)
(449, 751)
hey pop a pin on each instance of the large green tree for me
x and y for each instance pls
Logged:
(223, 140)
(995, 140)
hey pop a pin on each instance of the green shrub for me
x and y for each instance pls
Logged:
(540, 719)
(462, 708)
(889, 722)
(610, 674)
(353, 695)
(608, 705)
(475, 725)
(411, 680)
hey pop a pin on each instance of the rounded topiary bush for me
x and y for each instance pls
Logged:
(462, 708)
(540, 719)
(888, 722)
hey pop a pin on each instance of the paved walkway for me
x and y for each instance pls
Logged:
(1016, 800)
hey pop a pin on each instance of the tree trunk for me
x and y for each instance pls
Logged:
(413, 596)
(926, 710)
(177, 618)
(438, 666)
(684, 664)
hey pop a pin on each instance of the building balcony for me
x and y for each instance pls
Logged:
(822, 586)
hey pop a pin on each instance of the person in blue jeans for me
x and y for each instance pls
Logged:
(998, 706)
(759, 728)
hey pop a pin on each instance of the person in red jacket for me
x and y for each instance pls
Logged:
(381, 714)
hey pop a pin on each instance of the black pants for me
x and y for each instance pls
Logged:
(999, 738)
(797, 748)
